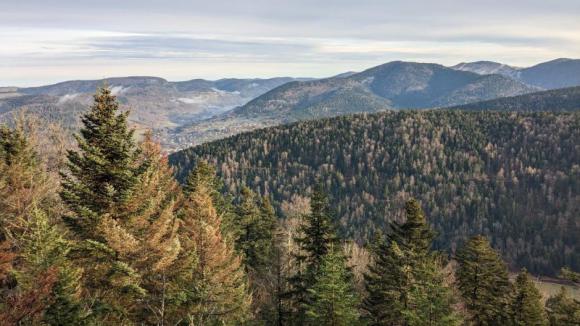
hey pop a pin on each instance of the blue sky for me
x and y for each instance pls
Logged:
(48, 41)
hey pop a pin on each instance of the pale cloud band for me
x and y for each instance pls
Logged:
(52, 41)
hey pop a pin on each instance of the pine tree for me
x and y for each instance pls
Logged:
(563, 310)
(316, 236)
(405, 282)
(101, 175)
(333, 301)
(212, 281)
(527, 303)
(482, 278)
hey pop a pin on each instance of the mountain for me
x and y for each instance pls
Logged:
(559, 73)
(154, 102)
(488, 68)
(512, 176)
(563, 99)
(394, 85)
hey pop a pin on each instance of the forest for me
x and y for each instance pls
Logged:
(513, 177)
(102, 233)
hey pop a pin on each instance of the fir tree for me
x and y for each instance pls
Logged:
(97, 185)
(527, 303)
(101, 175)
(212, 281)
(405, 282)
(563, 310)
(482, 278)
(333, 300)
(257, 221)
(316, 236)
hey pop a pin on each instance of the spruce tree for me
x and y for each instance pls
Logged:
(257, 221)
(316, 236)
(211, 284)
(405, 281)
(102, 173)
(527, 302)
(563, 310)
(98, 183)
(333, 300)
(482, 279)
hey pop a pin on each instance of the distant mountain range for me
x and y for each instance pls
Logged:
(394, 85)
(195, 111)
(553, 74)
(155, 103)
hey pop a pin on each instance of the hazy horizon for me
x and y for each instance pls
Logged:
(51, 41)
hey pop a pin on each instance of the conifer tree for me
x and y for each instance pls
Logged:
(204, 173)
(144, 235)
(482, 279)
(257, 221)
(316, 236)
(527, 303)
(333, 298)
(212, 281)
(405, 282)
(97, 185)
(23, 183)
(101, 175)
(563, 310)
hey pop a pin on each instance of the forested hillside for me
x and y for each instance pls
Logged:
(564, 99)
(514, 177)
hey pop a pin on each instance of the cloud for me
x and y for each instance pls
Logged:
(181, 39)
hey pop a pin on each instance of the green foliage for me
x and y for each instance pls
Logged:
(482, 279)
(510, 176)
(527, 303)
(316, 235)
(333, 300)
(405, 282)
(563, 310)
(101, 174)
(44, 248)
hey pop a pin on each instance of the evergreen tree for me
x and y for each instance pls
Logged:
(257, 223)
(204, 173)
(23, 183)
(316, 236)
(144, 236)
(212, 283)
(563, 310)
(99, 182)
(527, 303)
(101, 175)
(333, 301)
(482, 279)
(44, 252)
(405, 282)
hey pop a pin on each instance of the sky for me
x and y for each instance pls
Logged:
(47, 41)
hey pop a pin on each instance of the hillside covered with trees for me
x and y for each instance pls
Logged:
(513, 177)
(563, 99)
